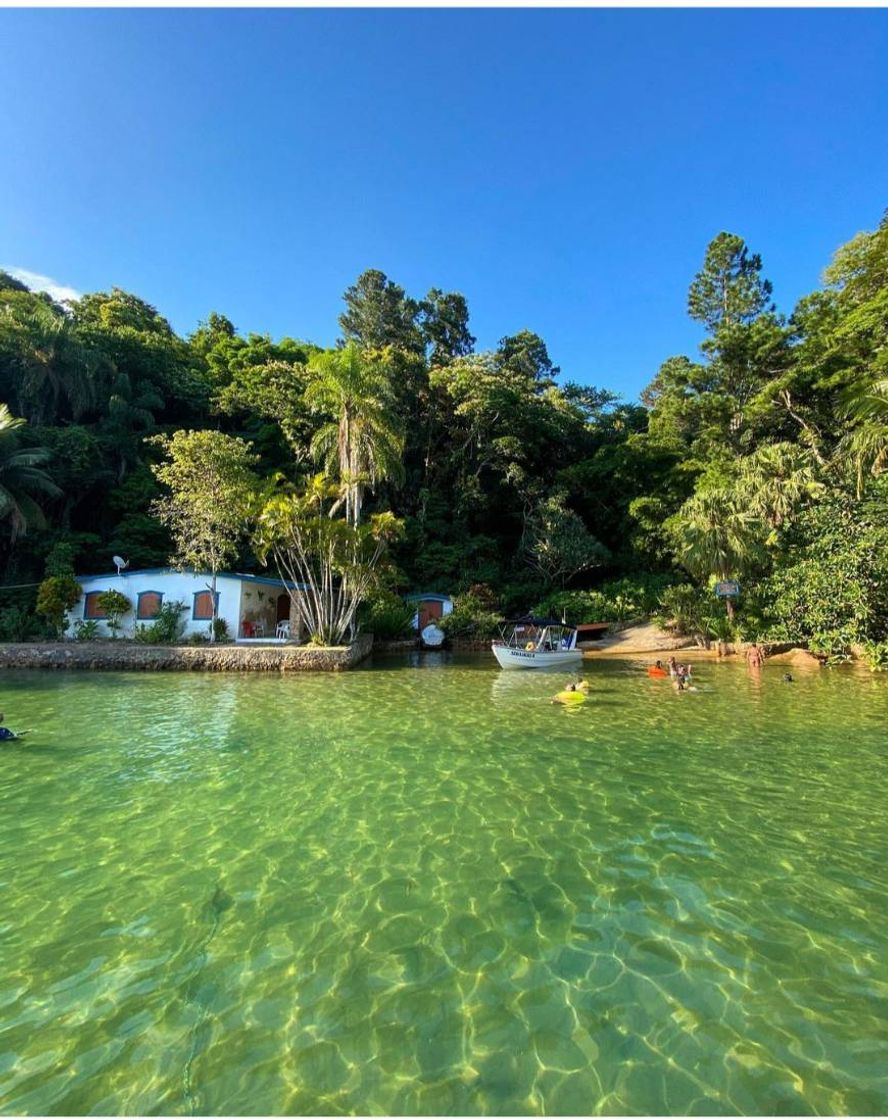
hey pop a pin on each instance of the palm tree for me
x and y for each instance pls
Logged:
(865, 447)
(21, 476)
(715, 537)
(128, 414)
(364, 442)
(56, 369)
(775, 480)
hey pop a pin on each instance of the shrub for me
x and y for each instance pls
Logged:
(483, 594)
(220, 630)
(387, 616)
(86, 630)
(60, 559)
(55, 597)
(619, 600)
(166, 628)
(875, 654)
(472, 617)
(113, 604)
(18, 624)
(717, 625)
(688, 611)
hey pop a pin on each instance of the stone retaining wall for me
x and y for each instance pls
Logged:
(120, 656)
(469, 645)
(395, 645)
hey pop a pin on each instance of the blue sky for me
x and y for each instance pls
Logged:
(563, 169)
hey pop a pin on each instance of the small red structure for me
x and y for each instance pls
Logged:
(429, 607)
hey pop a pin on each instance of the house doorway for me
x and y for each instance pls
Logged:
(283, 608)
(429, 611)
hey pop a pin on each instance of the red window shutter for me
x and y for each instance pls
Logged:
(91, 605)
(203, 606)
(149, 604)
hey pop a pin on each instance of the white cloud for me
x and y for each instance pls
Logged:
(39, 283)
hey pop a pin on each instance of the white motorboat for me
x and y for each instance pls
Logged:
(537, 643)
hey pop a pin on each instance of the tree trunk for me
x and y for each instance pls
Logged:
(215, 607)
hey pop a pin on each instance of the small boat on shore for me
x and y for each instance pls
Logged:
(432, 636)
(537, 643)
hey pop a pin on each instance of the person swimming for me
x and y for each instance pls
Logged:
(5, 733)
(682, 681)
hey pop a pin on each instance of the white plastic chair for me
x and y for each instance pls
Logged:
(283, 630)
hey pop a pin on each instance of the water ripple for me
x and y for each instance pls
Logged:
(405, 891)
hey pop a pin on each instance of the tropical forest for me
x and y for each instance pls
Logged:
(494, 476)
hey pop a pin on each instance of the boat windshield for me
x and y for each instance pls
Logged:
(540, 635)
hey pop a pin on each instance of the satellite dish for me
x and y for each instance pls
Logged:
(121, 563)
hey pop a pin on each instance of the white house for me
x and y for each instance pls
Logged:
(256, 608)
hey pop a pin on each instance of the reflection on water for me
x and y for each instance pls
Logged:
(422, 888)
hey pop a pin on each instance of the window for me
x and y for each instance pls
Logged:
(91, 605)
(148, 604)
(203, 606)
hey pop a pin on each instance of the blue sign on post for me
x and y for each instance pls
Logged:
(727, 589)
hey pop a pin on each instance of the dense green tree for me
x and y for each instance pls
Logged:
(378, 313)
(212, 495)
(558, 544)
(729, 289)
(444, 322)
(493, 458)
(10, 283)
(215, 329)
(830, 589)
(728, 399)
(525, 353)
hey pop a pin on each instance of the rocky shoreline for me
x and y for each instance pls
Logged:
(121, 656)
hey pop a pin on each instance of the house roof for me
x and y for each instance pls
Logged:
(418, 596)
(244, 577)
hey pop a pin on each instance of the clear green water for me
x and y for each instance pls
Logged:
(426, 890)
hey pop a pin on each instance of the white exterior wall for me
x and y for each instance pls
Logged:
(181, 586)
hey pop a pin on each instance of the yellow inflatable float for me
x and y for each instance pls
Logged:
(569, 696)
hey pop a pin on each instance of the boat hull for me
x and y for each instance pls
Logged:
(511, 658)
